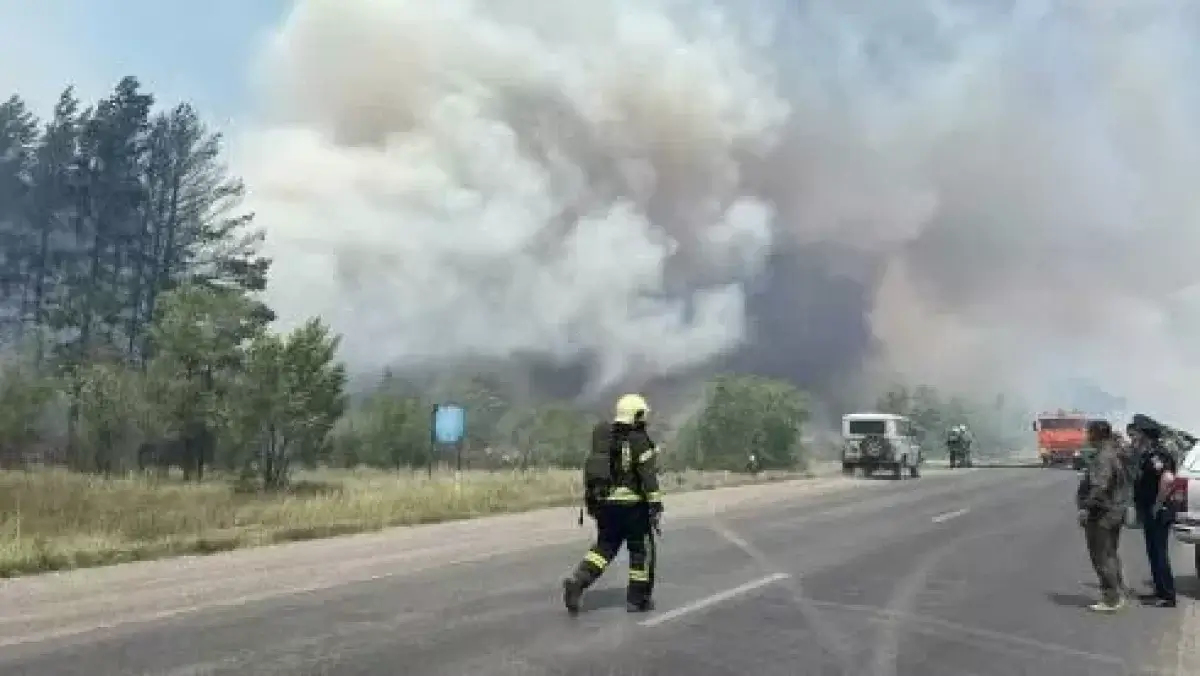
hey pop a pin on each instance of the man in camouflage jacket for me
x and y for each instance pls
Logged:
(1104, 496)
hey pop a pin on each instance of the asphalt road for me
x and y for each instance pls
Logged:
(979, 572)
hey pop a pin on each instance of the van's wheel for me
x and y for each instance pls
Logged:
(848, 470)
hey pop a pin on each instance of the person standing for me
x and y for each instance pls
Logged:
(1152, 497)
(1129, 460)
(1102, 500)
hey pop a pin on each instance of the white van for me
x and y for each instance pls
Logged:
(873, 441)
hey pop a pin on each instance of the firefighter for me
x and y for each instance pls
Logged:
(958, 443)
(621, 493)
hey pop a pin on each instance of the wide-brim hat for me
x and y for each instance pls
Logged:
(1146, 425)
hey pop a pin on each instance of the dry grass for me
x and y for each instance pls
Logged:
(54, 520)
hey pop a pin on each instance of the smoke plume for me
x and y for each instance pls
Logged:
(981, 195)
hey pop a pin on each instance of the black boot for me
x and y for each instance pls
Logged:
(572, 594)
(643, 606)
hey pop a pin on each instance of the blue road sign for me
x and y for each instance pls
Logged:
(449, 424)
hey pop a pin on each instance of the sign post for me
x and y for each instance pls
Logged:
(449, 427)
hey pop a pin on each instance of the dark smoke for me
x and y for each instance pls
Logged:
(808, 321)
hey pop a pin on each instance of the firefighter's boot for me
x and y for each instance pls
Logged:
(573, 594)
(642, 606)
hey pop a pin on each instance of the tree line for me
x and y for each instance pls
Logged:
(996, 425)
(130, 307)
(129, 276)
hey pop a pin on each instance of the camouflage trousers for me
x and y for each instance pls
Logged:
(1103, 543)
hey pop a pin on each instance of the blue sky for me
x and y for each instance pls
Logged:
(201, 51)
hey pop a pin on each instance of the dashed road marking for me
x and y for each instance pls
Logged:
(943, 518)
(715, 599)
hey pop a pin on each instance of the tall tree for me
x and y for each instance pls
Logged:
(193, 227)
(113, 196)
(51, 212)
(18, 136)
(107, 194)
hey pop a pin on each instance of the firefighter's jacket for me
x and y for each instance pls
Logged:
(635, 468)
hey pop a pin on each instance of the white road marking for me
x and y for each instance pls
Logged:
(1187, 653)
(1187, 650)
(943, 518)
(710, 601)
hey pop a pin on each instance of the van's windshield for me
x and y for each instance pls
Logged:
(868, 427)
(1062, 424)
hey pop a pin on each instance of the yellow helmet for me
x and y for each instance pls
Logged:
(628, 406)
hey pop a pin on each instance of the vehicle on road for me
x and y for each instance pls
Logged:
(1187, 512)
(880, 441)
(1061, 438)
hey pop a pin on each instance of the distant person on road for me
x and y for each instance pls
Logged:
(958, 446)
(1102, 500)
(1152, 493)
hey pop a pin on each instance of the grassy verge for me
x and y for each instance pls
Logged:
(55, 520)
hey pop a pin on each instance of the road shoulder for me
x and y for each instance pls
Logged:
(59, 604)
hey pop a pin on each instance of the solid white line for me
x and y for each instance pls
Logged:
(1187, 649)
(709, 601)
(942, 518)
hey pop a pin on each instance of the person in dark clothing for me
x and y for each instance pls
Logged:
(1102, 500)
(623, 496)
(1152, 497)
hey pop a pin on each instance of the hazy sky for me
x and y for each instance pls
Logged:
(197, 50)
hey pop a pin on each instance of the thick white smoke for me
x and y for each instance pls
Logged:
(1010, 183)
(525, 178)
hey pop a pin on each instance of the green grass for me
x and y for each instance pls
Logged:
(55, 520)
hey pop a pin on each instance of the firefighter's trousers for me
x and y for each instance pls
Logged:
(618, 524)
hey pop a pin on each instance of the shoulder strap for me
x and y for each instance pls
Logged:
(618, 439)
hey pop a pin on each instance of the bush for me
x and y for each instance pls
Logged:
(745, 418)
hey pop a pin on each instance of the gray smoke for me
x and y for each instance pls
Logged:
(982, 195)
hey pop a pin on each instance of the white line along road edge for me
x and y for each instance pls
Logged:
(710, 601)
(943, 518)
